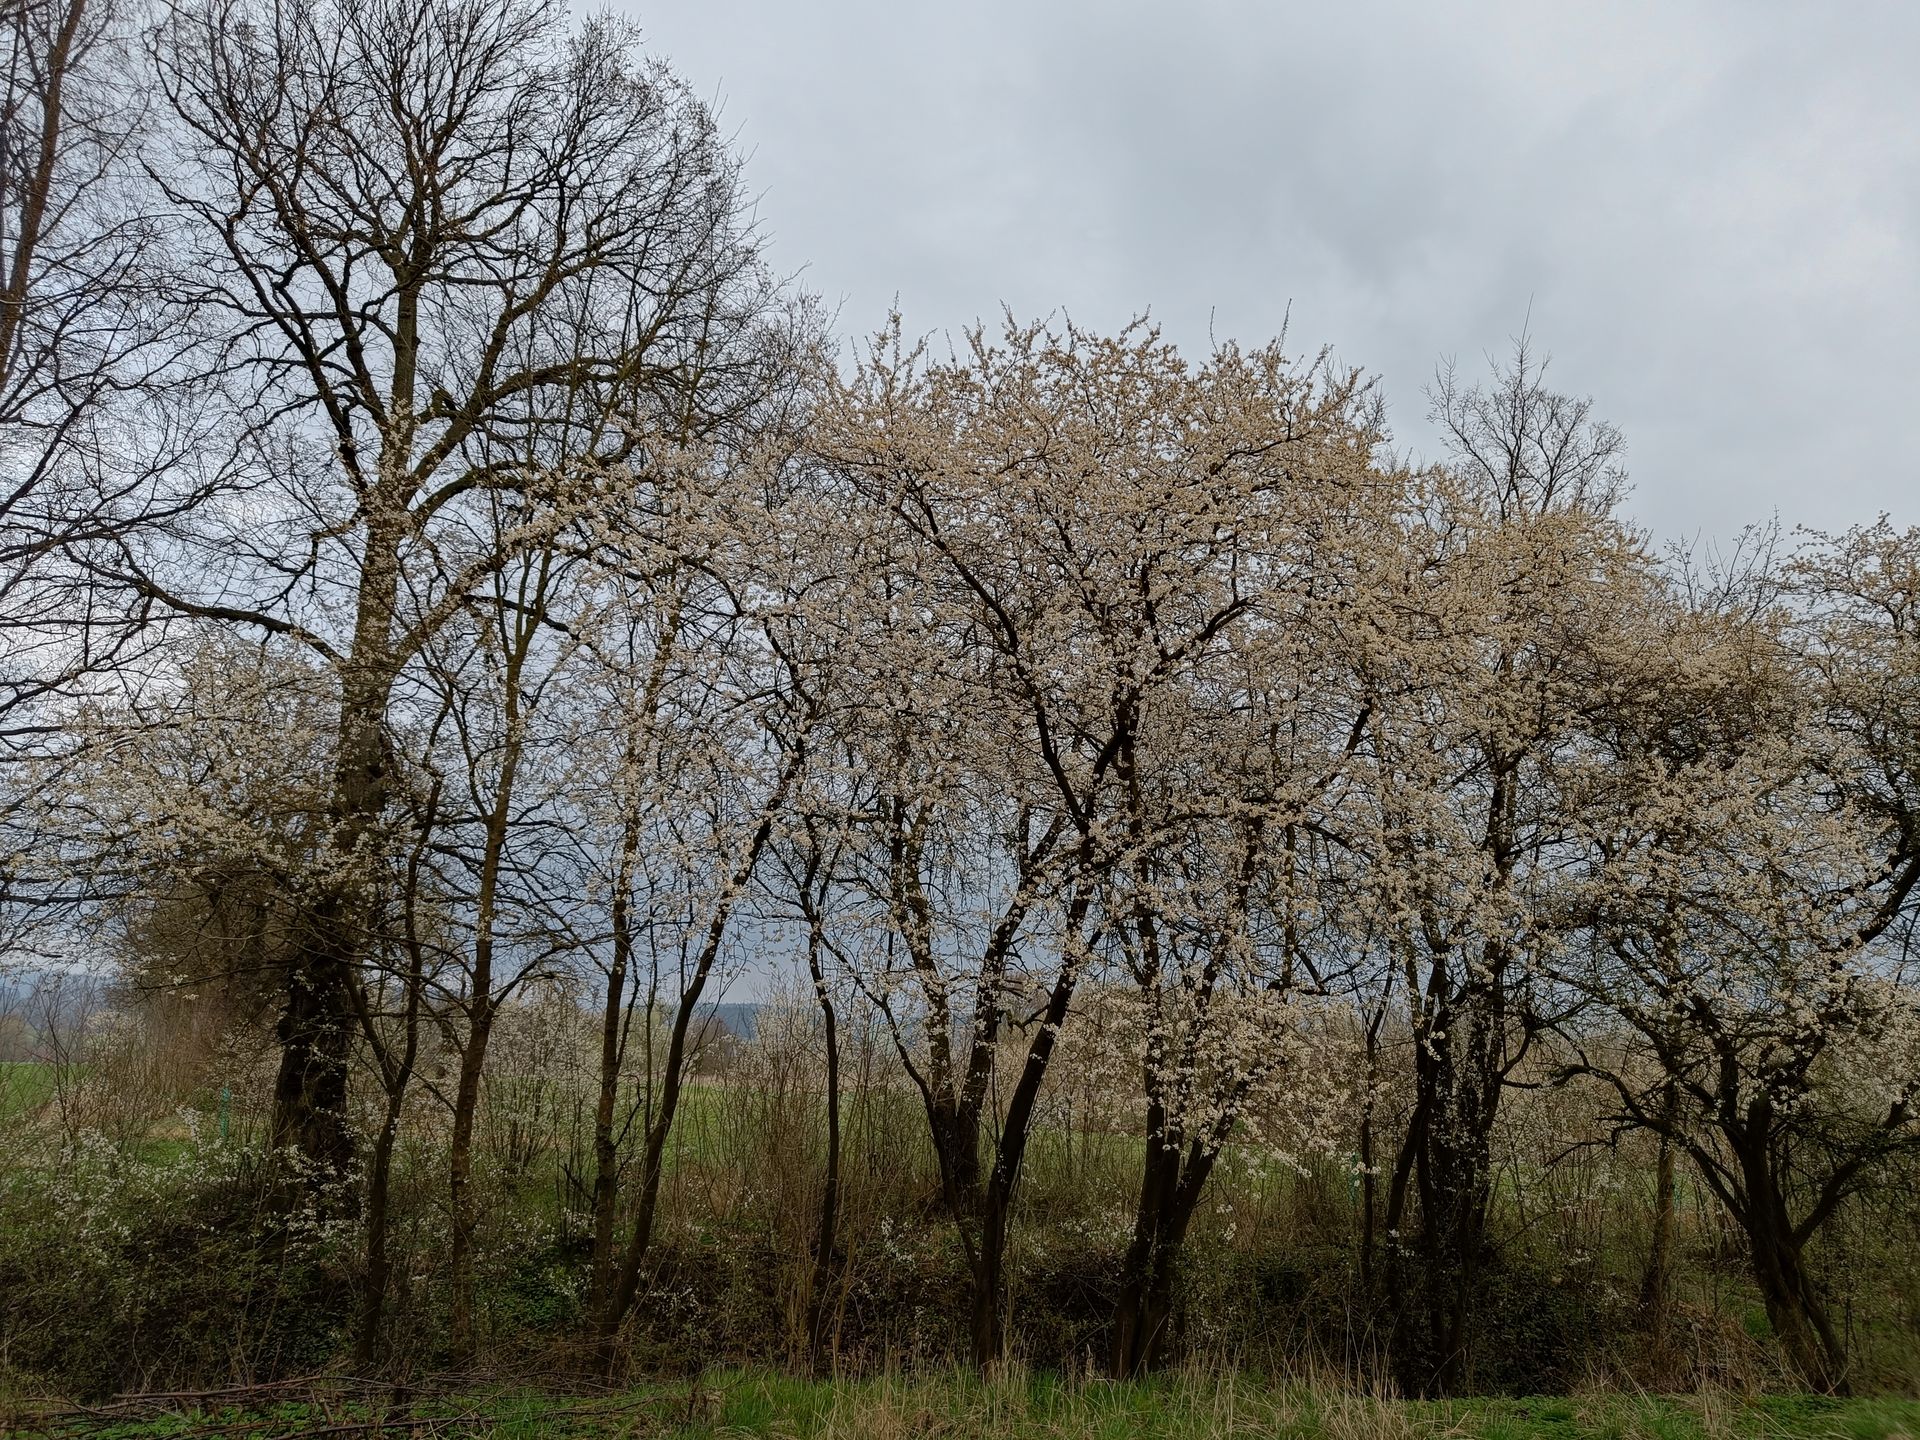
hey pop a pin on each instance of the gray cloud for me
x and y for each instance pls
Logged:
(1713, 210)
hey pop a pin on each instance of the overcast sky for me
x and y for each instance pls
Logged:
(1713, 210)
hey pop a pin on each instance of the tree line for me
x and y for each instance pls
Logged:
(437, 555)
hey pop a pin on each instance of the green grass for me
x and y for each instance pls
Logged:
(1023, 1407)
(25, 1086)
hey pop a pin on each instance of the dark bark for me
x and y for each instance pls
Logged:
(1434, 1277)
(396, 1068)
(317, 1021)
(614, 1020)
(397, 1075)
(1172, 1181)
(310, 1088)
(461, 1220)
(1777, 1251)
(1369, 1177)
(989, 1336)
(379, 1260)
(1462, 1058)
(987, 1330)
(626, 1281)
(955, 1126)
(518, 635)
(1655, 1281)
(1794, 1309)
(826, 1236)
(1398, 1186)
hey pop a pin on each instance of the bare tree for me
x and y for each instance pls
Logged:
(79, 321)
(448, 241)
(493, 670)
(90, 340)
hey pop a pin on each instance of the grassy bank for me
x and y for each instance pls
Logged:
(1034, 1407)
(145, 1244)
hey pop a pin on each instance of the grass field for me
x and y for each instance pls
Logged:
(25, 1086)
(1036, 1407)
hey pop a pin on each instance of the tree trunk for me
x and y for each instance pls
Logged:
(988, 1331)
(1794, 1308)
(1369, 1179)
(310, 1091)
(606, 1150)
(1398, 1184)
(1453, 1234)
(614, 1020)
(396, 1073)
(1449, 1154)
(1806, 1334)
(481, 1001)
(1171, 1184)
(956, 1141)
(379, 1184)
(1454, 1240)
(1655, 1282)
(379, 1263)
(819, 1286)
(626, 1284)
(1159, 1178)
(460, 1208)
(990, 1275)
(626, 1281)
